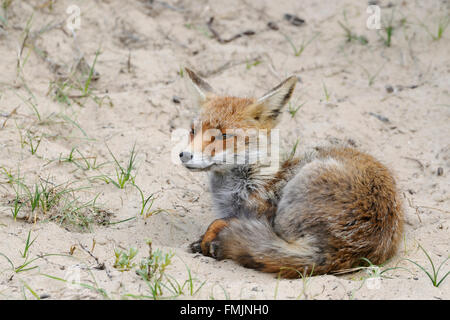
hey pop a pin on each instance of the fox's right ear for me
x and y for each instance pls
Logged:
(201, 88)
(268, 108)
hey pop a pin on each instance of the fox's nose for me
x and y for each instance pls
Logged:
(185, 156)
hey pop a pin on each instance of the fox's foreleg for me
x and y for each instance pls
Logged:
(208, 244)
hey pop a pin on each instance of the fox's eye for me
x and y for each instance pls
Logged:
(223, 136)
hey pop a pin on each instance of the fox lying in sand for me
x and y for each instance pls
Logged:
(320, 213)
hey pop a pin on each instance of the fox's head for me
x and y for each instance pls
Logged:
(229, 130)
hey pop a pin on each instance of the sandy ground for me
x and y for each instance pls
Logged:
(390, 101)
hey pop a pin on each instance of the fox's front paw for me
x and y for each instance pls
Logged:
(209, 244)
(207, 248)
(215, 250)
(196, 246)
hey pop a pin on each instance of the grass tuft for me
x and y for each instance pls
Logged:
(305, 43)
(350, 36)
(434, 273)
(123, 173)
(60, 203)
(293, 110)
(124, 260)
(442, 25)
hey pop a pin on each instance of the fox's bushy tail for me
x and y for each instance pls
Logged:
(254, 244)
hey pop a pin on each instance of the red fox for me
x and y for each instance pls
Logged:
(316, 214)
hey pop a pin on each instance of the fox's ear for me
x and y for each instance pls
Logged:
(201, 88)
(269, 106)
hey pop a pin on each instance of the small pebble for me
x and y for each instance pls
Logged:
(389, 89)
(272, 25)
(440, 171)
(379, 117)
(294, 20)
(176, 99)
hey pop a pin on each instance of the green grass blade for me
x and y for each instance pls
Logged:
(431, 261)
(423, 269)
(443, 278)
(32, 291)
(91, 73)
(10, 262)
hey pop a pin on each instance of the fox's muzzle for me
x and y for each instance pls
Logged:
(194, 163)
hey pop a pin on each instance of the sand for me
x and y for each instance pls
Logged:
(391, 101)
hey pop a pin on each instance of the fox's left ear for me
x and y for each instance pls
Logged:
(201, 88)
(269, 106)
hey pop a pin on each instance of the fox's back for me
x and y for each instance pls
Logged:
(345, 201)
